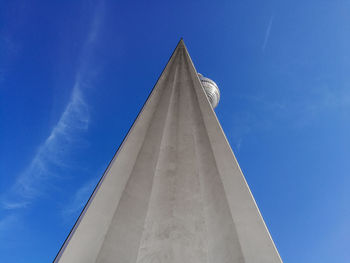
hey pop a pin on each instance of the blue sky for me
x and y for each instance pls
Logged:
(74, 75)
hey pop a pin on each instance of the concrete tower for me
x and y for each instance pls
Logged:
(174, 192)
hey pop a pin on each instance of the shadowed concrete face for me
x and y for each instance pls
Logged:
(174, 191)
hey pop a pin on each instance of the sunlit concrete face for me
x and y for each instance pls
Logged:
(174, 191)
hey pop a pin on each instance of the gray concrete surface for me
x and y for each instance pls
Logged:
(174, 191)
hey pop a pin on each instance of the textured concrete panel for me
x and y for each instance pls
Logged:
(174, 191)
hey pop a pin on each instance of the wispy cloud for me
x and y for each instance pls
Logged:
(7, 221)
(10, 228)
(52, 154)
(264, 113)
(267, 34)
(79, 199)
(8, 50)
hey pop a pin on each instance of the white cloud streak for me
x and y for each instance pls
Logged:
(51, 155)
(265, 113)
(79, 199)
(267, 34)
(6, 222)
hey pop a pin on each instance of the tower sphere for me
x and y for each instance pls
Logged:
(211, 89)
